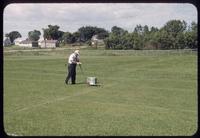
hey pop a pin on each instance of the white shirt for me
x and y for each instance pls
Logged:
(73, 58)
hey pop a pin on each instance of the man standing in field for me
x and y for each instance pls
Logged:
(73, 60)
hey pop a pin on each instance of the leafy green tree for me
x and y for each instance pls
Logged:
(146, 29)
(141, 36)
(34, 35)
(138, 29)
(173, 35)
(68, 38)
(118, 31)
(102, 35)
(101, 32)
(165, 40)
(13, 35)
(174, 27)
(60, 34)
(115, 41)
(154, 30)
(46, 34)
(191, 36)
(76, 36)
(180, 41)
(52, 32)
(146, 36)
(87, 32)
(127, 41)
(137, 41)
(154, 39)
(6, 35)
(112, 42)
(118, 39)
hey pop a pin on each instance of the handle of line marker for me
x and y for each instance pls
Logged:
(80, 67)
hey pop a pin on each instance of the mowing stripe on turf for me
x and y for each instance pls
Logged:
(50, 101)
(105, 103)
(144, 106)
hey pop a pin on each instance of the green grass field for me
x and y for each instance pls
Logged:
(148, 93)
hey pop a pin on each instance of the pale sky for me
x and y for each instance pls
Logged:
(71, 16)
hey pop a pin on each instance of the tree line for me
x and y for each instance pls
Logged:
(175, 34)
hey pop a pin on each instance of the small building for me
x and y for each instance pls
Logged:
(6, 41)
(96, 41)
(94, 37)
(49, 44)
(18, 41)
(39, 41)
(28, 43)
(25, 43)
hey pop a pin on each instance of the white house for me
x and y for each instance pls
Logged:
(18, 41)
(6, 41)
(39, 41)
(48, 43)
(94, 37)
(27, 43)
(95, 40)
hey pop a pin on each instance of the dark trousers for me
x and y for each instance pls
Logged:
(71, 73)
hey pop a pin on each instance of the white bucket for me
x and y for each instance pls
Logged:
(91, 80)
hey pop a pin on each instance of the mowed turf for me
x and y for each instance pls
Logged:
(141, 93)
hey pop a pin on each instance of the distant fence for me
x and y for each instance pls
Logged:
(147, 52)
(96, 52)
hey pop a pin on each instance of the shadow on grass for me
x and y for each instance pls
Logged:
(81, 83)
(85, 83)
(96, 85)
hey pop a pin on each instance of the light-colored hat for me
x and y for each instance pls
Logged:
(76, 51)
